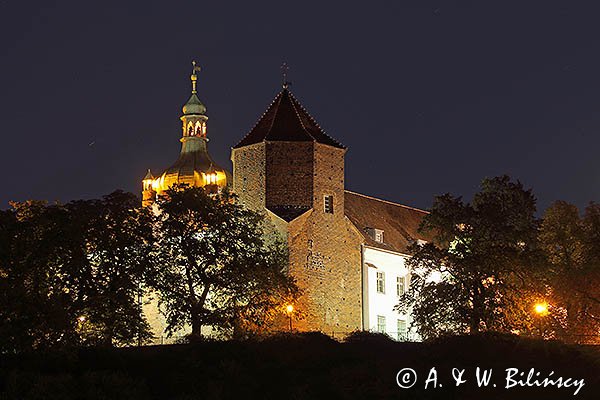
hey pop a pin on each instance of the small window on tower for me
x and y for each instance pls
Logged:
(328, 204)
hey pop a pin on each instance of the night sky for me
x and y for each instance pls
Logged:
(429, 97)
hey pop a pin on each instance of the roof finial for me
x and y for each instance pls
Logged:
(194, 78)
(284, 70)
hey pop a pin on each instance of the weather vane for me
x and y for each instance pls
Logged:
(196, 67)
(194, 78)
(284, 71)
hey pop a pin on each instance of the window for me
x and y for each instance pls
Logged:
(380, 282)
(400, 285)
(328, 203)
(210, 178)
(401, 329)
(380, 324)
(375, 234)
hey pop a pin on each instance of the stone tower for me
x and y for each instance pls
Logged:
(195, 166)
(289, 167)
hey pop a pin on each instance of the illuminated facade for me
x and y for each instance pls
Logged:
(339, 242)
(347, 251)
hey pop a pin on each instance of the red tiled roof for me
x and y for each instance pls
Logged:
(399, 223)
(286, 120)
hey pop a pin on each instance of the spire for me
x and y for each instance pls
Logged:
(194, 105)
(148, 175)
(284, 70)
(194, 166)
(194, 77)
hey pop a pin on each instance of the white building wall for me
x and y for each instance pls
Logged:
(377, 304)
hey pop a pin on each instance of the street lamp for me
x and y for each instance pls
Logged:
(541, 310)
(290, 309)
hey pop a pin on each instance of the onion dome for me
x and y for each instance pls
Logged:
(194, 167)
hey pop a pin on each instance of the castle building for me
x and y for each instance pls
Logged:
(347, 251)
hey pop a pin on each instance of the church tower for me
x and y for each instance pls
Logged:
(289, 168)
(195, 166)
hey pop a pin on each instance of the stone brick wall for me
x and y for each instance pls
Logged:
(325, 255)
(289, 174)
(249, 175)
(324, 249)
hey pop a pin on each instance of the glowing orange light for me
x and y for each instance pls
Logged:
(211, 178)
(541, 308)
(289, 308)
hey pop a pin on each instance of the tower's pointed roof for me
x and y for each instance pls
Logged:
(286, 120)
(148, 175)
(194, 105)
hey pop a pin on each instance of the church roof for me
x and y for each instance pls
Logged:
(399, 223)
(286, 120)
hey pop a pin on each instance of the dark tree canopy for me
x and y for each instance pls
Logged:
(117, 239)
(214, 265)
(478, 273)
(572, 247)
(36, 308)
(70, 274)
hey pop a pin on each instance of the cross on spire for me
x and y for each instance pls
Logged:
(284, 71)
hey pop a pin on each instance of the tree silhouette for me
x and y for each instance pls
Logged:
(213, 264)
(481, 269)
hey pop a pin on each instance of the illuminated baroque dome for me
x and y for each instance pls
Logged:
(194, 167)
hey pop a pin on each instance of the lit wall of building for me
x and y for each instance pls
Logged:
(385, 278)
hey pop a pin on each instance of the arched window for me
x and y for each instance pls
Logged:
(198, 129)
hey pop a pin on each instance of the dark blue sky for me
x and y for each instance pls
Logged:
(429, 97)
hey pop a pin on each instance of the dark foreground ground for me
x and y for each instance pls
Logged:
(310, 366)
